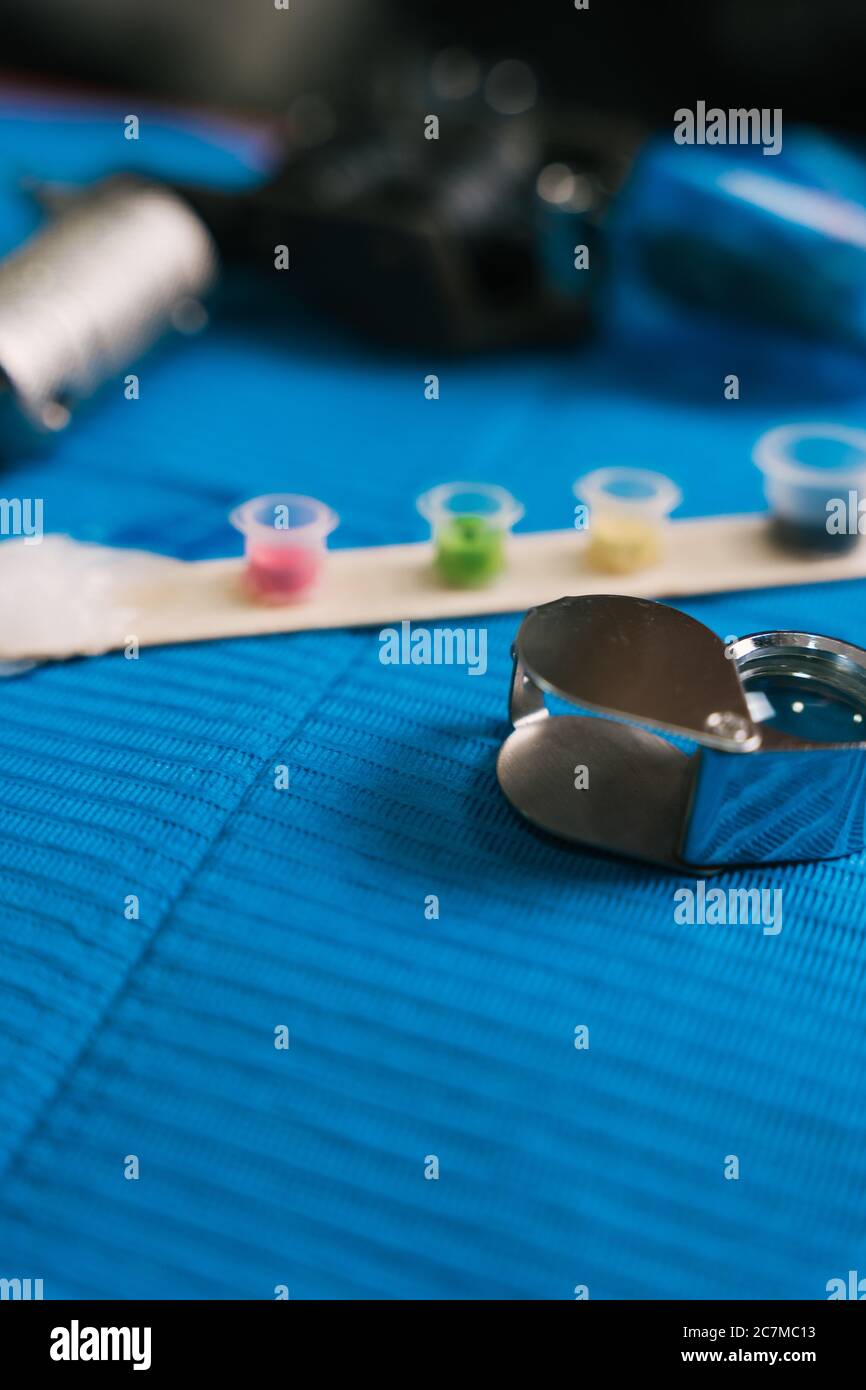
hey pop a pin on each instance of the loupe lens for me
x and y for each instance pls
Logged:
(813, 693)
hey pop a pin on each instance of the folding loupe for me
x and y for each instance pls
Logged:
(706, 756)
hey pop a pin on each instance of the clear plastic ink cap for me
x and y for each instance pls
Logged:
(285, 541)
(629, 510)
(814, 478)
(470, 524)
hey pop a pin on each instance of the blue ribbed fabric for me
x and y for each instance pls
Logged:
(306, 908)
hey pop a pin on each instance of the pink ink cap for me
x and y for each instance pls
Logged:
(285, 542)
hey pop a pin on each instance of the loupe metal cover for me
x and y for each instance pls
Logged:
(637, 660)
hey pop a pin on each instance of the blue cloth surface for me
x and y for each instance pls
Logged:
(306, 908)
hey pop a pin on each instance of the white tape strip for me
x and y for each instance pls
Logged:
(92, 599)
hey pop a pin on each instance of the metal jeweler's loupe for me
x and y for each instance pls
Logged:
(691, 753)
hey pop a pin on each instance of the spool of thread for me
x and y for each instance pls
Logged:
(116, 266)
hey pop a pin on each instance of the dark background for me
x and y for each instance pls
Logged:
(804, 56)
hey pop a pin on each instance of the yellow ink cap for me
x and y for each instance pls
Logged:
(628, 515)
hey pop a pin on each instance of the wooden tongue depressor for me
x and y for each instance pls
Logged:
(158, 600)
